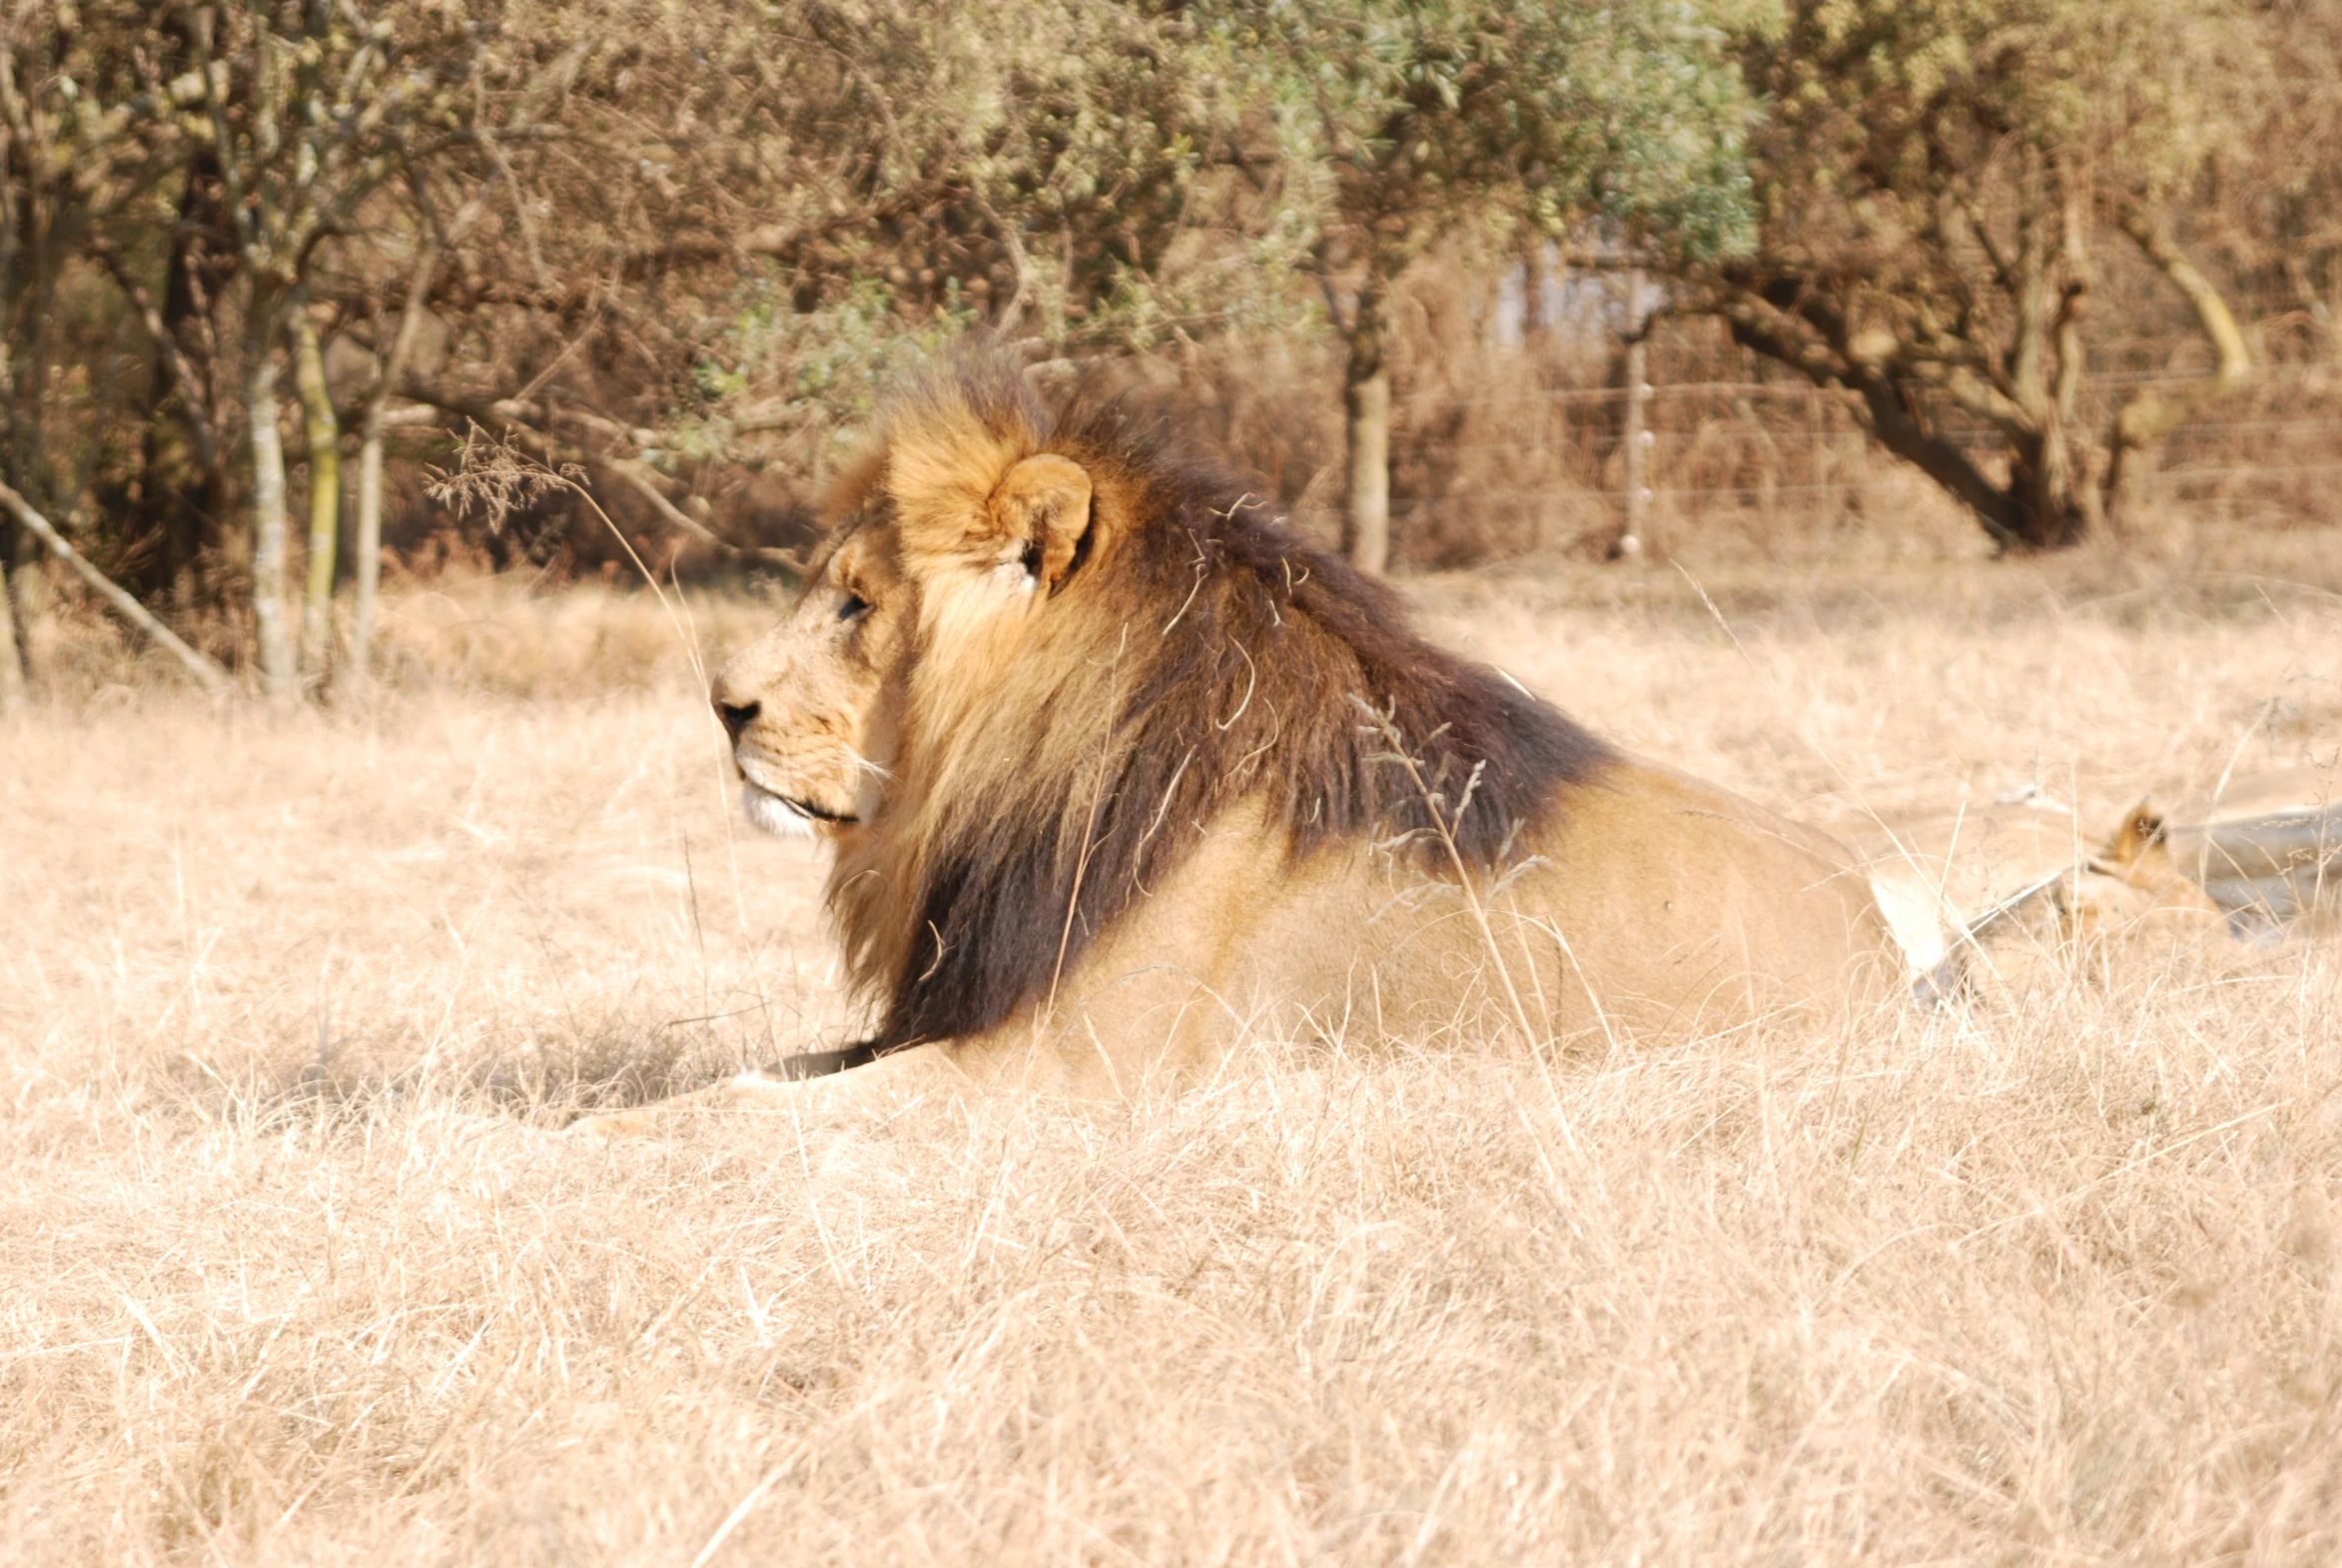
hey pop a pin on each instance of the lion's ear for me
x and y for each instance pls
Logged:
(1045, 503)
(2142, 830)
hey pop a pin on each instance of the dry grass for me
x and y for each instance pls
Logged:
(293, 1267)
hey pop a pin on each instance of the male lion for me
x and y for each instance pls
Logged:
(1115, 767)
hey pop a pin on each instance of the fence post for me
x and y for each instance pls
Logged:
(1634, 537)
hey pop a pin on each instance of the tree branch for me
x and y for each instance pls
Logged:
(1878, 404)
(511, 418)
(207, 673)
(2151, 415)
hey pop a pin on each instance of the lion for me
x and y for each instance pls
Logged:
(1116, 768)
(2021, 874)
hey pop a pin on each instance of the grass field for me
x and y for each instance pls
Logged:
(296, 1267)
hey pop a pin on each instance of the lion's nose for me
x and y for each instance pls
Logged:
(737, 716)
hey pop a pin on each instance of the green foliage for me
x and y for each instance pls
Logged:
(805, 378)
(1399, 117)
(658, 231)
(1912, 99)
(1046, 167)
(1107, 176)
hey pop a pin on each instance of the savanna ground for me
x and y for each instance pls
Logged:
(295, 1266)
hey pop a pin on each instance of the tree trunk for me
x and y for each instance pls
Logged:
(2051, 501)
(2334, 311)
(15, 221)
(27, 328)
(2048, 506)
(24, 595)
(324, 490)
(367, 568)
(2151, 416)
(12, 670)
(1365, 532)
(2052, 504)
(1535, 326)
(279, 673)
(2016, 516)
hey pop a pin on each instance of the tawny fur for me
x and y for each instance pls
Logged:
(1153, 770)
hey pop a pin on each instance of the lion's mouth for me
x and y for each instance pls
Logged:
(806, 808)
(787, 815)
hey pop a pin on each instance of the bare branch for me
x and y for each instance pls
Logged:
(1880, 406)
(2151, 416)
(207, 673)
(514, 421)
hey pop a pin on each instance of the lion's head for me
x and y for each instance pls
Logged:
(945, 535)
(2133, 879)
(811, 735)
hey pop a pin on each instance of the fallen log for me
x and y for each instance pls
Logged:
(2268, 849)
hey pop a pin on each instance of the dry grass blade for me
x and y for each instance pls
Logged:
(2046, 1280)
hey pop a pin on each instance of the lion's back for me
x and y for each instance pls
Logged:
(1656, 904)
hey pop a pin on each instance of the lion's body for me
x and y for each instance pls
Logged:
(1659, 907)
(1117, 768)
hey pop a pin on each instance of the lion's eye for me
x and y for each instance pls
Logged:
(855, 605)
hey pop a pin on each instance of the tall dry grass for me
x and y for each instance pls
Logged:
(294, 1266)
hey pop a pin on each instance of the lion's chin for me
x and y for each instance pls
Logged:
(773, 814)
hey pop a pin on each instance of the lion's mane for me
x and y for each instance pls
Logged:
(1195, 656)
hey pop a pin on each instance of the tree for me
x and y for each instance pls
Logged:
(322, 428)
(224, 145)
(1936, 184)
(1057, 170)
(51, 159)
(1403, 119)
(2276, 214)
(307, 113)
(431, 245)
(89, 96)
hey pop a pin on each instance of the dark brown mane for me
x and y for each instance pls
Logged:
(1241, 655)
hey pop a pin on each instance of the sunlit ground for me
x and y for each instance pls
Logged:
(295, 1266)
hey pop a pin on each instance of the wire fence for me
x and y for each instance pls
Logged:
(1714, 446)
(2164, 478)
(2307, 377)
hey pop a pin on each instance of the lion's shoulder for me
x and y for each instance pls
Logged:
(1123, 644)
